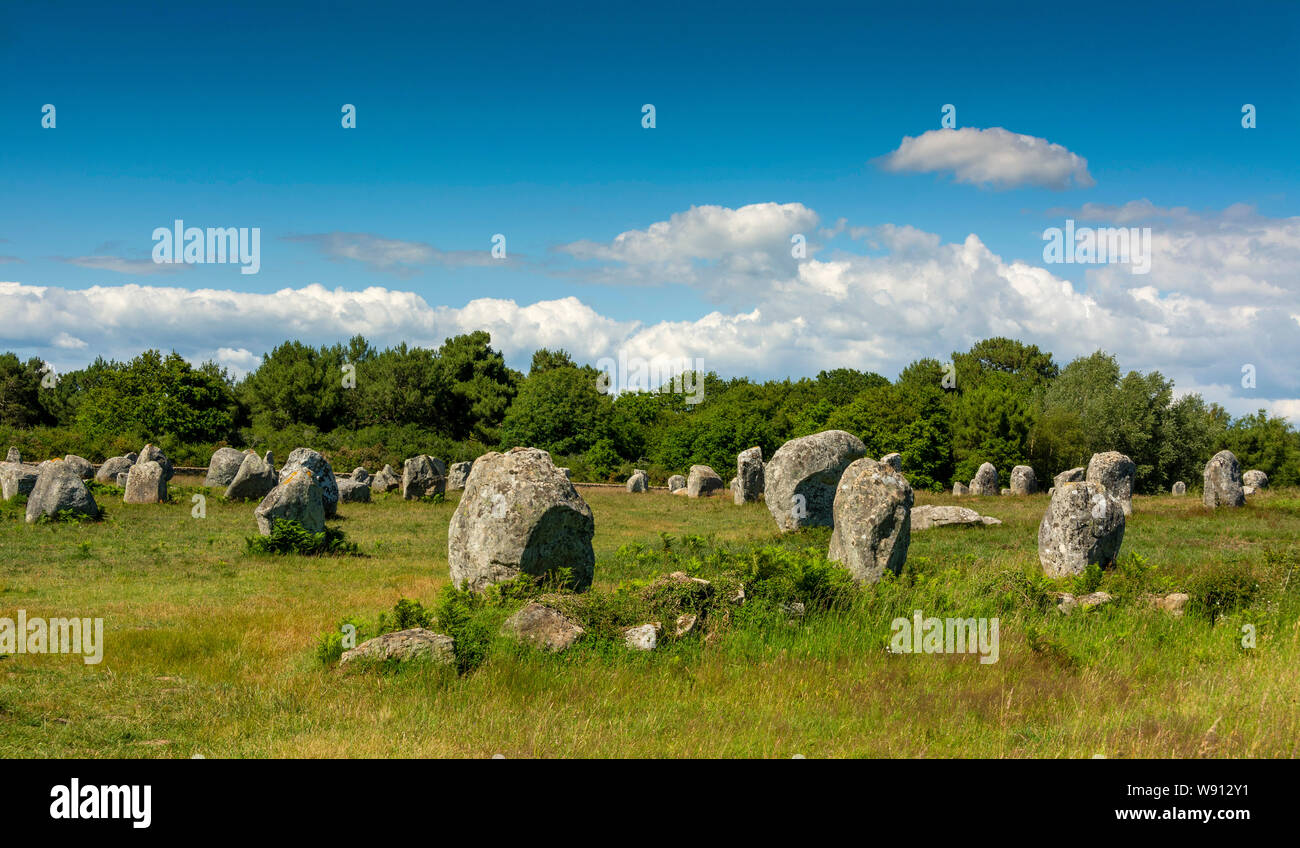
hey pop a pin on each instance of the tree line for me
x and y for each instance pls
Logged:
(1002, 401)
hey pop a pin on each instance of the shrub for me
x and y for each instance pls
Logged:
(1222, 591)
(290, 537)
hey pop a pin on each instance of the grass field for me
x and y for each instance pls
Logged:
(212, 651)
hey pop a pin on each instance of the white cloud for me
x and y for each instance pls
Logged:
(120, 265)
(990, 157)
(395, 256)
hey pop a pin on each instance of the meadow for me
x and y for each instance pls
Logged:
(211, 650)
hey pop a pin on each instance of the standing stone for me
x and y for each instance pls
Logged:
(223, 466)
(322, 473)
(1114, 471)
(17, 478)
(253, 481)
(423, 476)
(297, 498)
(269, 459)
(59, 488)
(84, 469)
(894, 461)
(638, 482)
(1255, 478)
(749, 475)
(1074, 475)
(145, 484)
(457, 474)
(386, 480)
(519, 515)
(112, 467)
(873, 521)
(986, 481)
(960, 489)
(14, 455)
(1023, 480)
(1223, 481)
(361, 475)
(1084, 524)
(802, 476)
(353, 491)
(702, 482)
(675, 482)
(1179, 489)
(122, 478)
(149, 453)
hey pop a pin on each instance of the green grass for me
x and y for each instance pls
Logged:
(212, 650)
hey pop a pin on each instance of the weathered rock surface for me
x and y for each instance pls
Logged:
(360, 475)
(299, 498)
(873, 523)
(894, 461)
(542, 627)
(17, 478)
(1223, 481)
(803, 475)
(423, 476)
(1068, 603)
(643, 637)
(1114, 472)
(457, 474)
(702, 482)
(675, 482)
(749, 482)
(986, 481)
(519, 514)
(386, 480)
(112, 467)
(149, 453)
(1074, 475)
(1174, 603)
(322, 473)
(1179, 488)
(1083, 524)
(59, 488)
(253, 481)
(926, 517)
(403, 646)
(146, 483)
(638, 482)
(13, 455)
(1255, 478)
(960, 489)
(84, 469)
(1023, 480)
(353, 491)
(223, 466)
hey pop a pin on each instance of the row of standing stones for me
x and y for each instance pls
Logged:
(520, 514)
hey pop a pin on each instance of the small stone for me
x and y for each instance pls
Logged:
(403, 646)
(643, 637)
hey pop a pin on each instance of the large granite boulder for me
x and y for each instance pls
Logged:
(322, 473)
(112, 467)
(1023, 480)
(457, 474)
(146, 483)
(1074, 475)
(423, 476)
(986, 481)
(1114, 471)
(1083, 524)
(748, 485)
(1255, 478)
(149, 453)
(801, 478)
(519, 515)
(386, 480)
(299, 498)
(82, 466)
(223, 466)
(928, 516)
(638, 482)
(253, 481)
(873, 506)
(59, 488)
(353, 491)
(675, 482)
(702, 482)
(17, 478)
(1223, 481)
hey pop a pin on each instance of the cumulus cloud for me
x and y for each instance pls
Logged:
(990, 157)
(395, 256)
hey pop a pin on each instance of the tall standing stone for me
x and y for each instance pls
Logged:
(149, 453)
(986, 481)
(1084, 524)
(749, 475)
(253, 481)
(146, 483)
(638, 482)
(1115, 472)
(1023, 480)
(423, 476)
(17, 478)
(873, 505)
(322, 473)
(702, 482)
(14, 455)
(297, 498)
(519, 515)
(223, 466)
(1223, 481)
(801, 479)
(457, 474)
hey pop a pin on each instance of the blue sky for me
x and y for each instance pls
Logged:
(526, 121)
